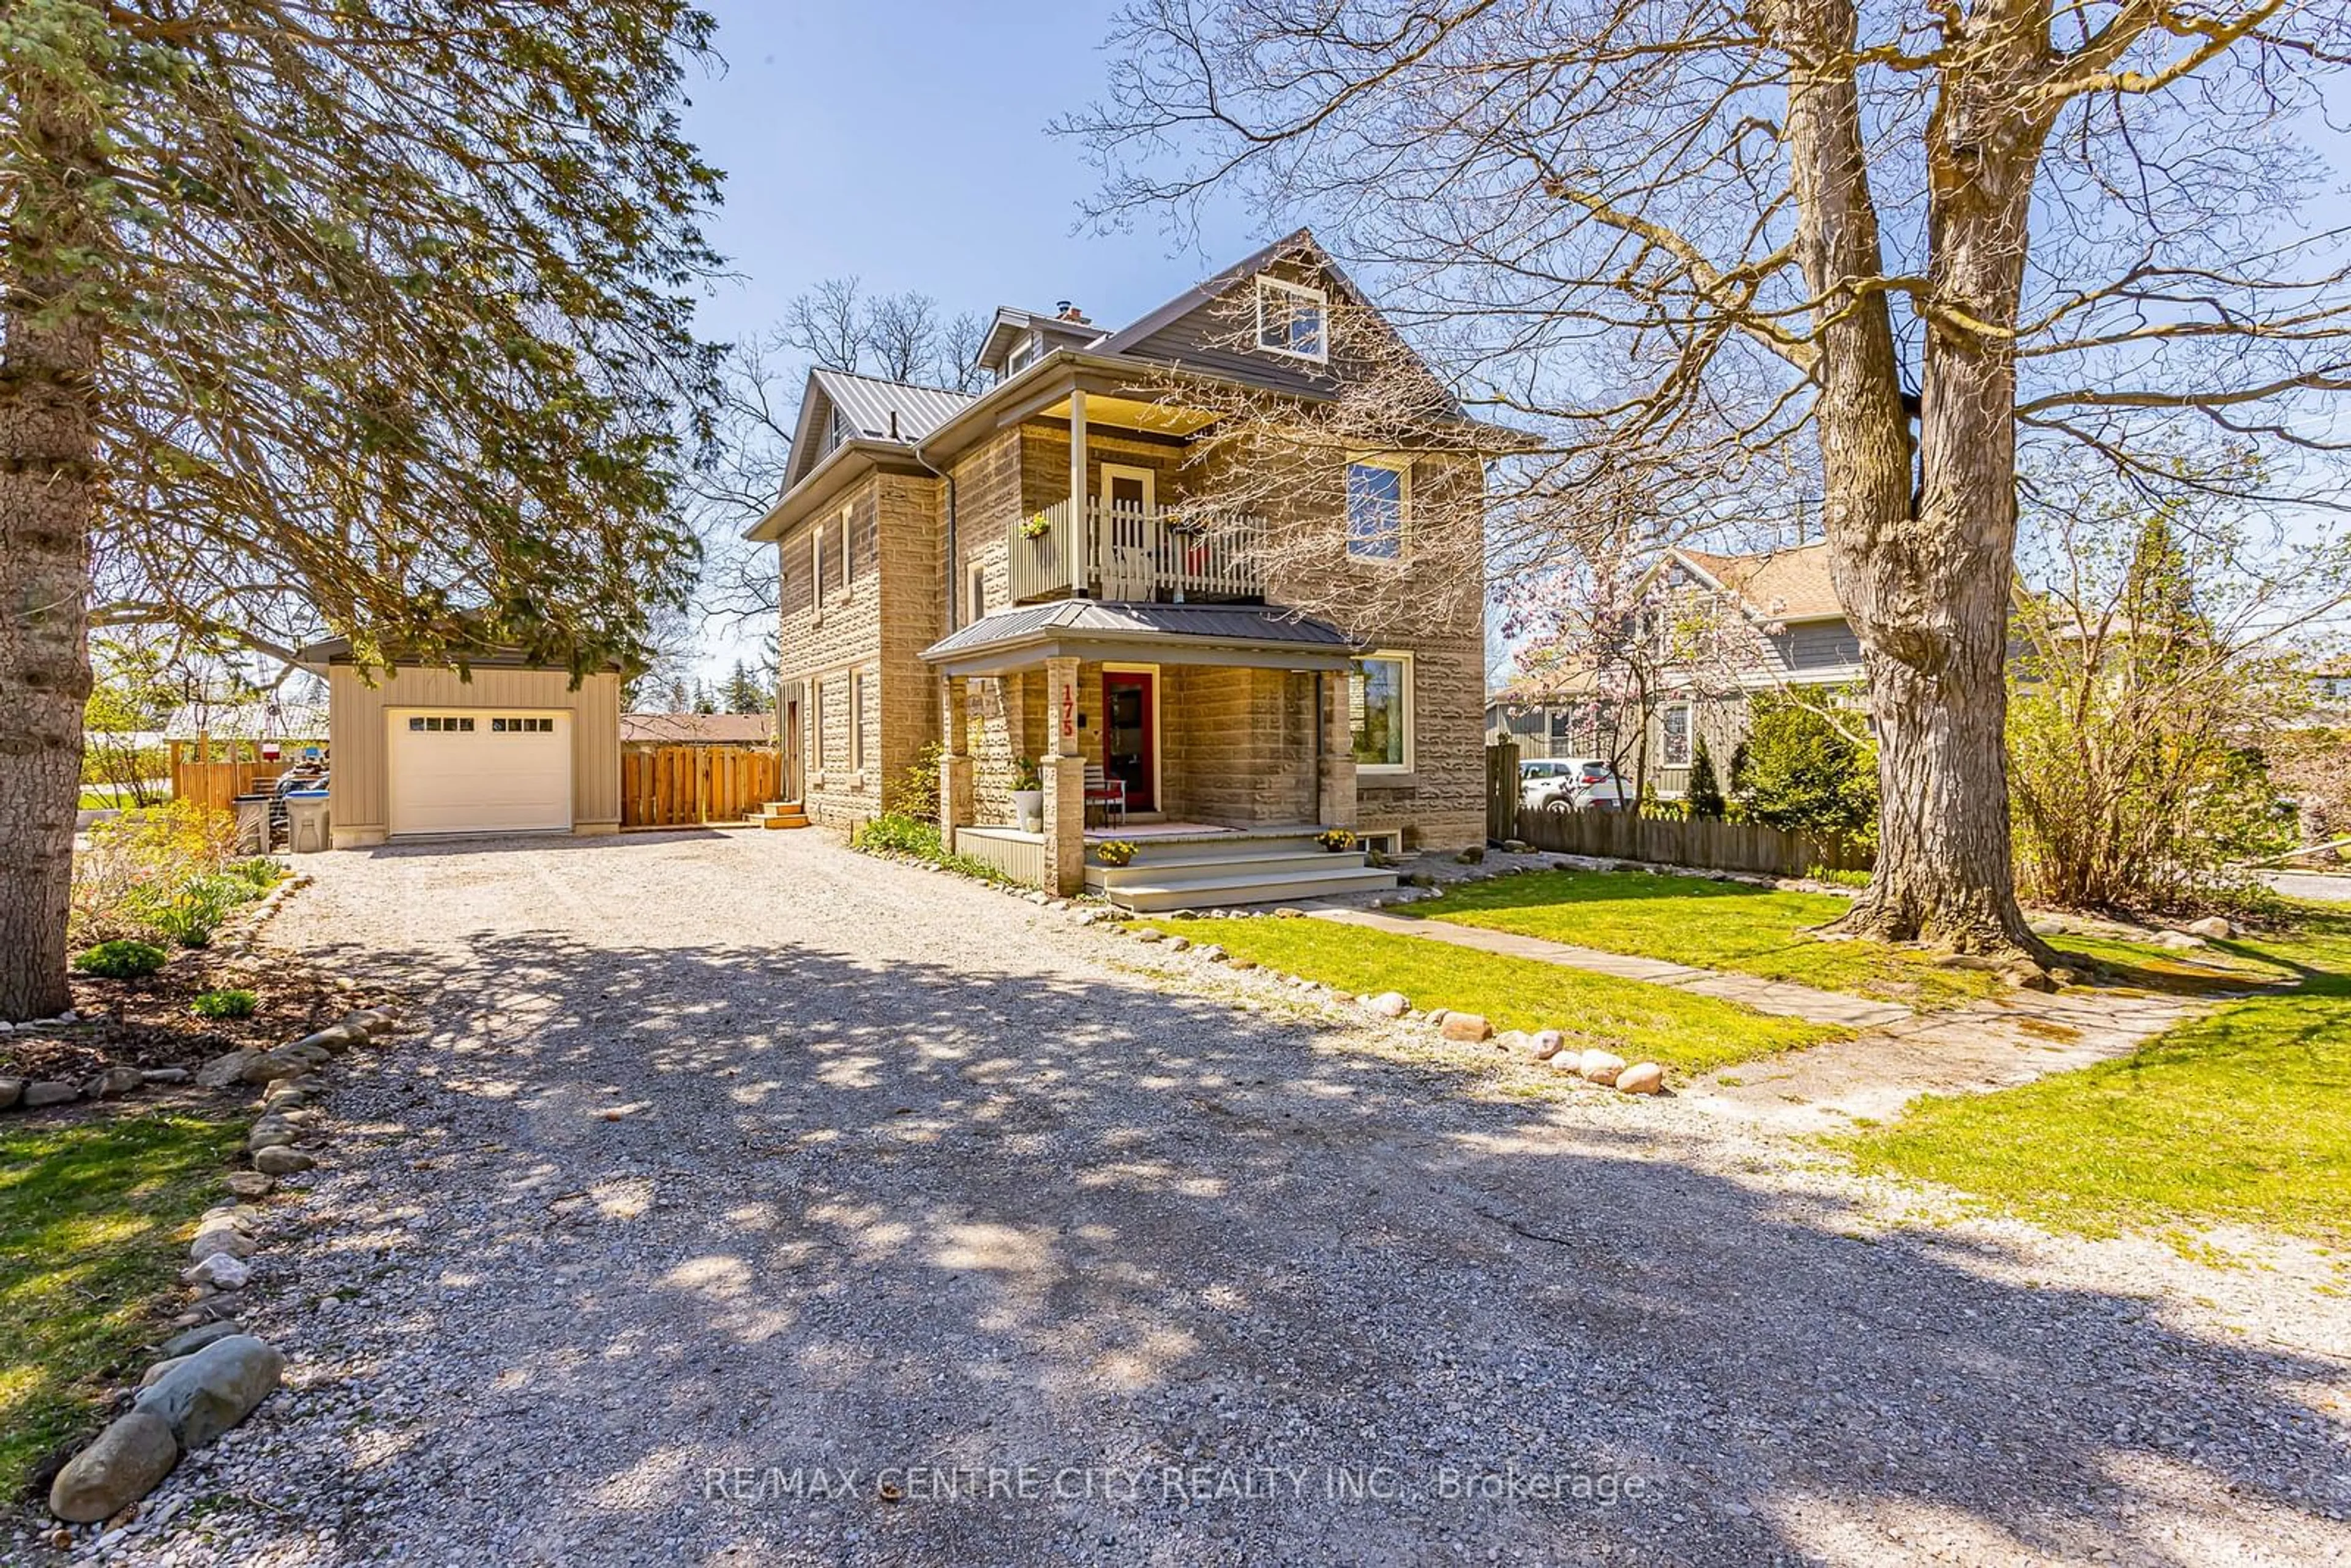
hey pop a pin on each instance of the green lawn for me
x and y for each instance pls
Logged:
(2236, 1117)
(92, 1222)
(1752, 930)
(1639, 1021)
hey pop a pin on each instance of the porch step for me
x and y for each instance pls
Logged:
(1274, 859)
(781, 814)
(1233, 885)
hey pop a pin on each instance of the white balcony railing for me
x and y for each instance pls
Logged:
(1131, 553)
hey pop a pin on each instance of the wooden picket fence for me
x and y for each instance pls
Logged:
(1700, 842)
(686, 786)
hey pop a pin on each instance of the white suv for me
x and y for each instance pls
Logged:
(1565, 783)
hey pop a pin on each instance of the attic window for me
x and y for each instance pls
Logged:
(1023, 355)
(1290, 319)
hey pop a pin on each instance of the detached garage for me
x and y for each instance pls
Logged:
(426, 753)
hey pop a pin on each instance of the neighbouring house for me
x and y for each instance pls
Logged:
(503, 747)
(1021, 575)
(643, 730)
(1724, 627)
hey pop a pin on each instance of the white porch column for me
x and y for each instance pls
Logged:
(1064, 778)
(1080, 539)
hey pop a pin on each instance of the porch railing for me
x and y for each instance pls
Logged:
(1134, 553)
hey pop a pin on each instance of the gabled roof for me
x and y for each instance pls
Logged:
(1293, 247)
(867, 407)
(1791, 584)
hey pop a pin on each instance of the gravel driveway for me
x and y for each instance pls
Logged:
(749, 1201)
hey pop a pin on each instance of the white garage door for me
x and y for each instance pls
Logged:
(480, 770)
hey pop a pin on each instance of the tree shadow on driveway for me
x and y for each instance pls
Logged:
(692, 1208)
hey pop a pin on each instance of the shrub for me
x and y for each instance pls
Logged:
(190, 914)
(899, 833)
(917, 794)
(1807, 773)
(226, 1004)
(261, 871)
(122, 959)
(1838, 878)
(895, 832)
(135, 863)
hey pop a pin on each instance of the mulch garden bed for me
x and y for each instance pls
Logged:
(146, 1023)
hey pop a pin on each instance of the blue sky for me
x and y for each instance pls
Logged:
(906, 144)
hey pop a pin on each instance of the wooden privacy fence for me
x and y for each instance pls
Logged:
(684, 786)
(1698, 842)
(215, 772)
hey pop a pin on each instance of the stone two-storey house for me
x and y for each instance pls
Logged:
(1038, 579)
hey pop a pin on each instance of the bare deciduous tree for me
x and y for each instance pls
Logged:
(1871, 244)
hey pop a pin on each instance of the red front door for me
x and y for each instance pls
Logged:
(1129, 742)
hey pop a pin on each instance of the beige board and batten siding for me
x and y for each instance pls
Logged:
(358, 737)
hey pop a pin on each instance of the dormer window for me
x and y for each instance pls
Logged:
(1290, 319)
(1022, 355)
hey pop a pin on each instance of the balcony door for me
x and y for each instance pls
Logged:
(1127, 530)
(1131, 735)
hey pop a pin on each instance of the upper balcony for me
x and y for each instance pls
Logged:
(1136, 555)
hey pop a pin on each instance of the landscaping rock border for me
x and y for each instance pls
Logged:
(210, 1376)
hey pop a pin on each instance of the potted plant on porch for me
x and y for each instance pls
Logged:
(1028, 796)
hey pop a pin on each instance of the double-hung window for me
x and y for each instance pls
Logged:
(1675, 750)
(1379, 713)
(1379, 503)
(1290, 319)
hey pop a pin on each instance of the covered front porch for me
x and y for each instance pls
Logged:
(1190, 731)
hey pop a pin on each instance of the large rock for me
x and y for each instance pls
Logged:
(1468, 1027)
(270, 1132)
(377, 1022)
(222, 1070)
(116, 1081)
(214, 1389)
(2212, 927)
(2178, 941)
(334, 1039)
(250, 1183)
(284, 1063)
(42, 1093)
(179, 1347)
(219, 1241)
(122, 1465)
(12, 1090)
(1600, 1066)
(221, 1271)
(1390, 1004)
(1546, 1044)
(1642, 1077)
(281, 1161)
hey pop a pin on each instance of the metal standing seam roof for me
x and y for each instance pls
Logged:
(867, 402)
(1224, 623)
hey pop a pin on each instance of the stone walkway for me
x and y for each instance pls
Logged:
(1899, 1055)
(1783, 999)
(1973, 1050)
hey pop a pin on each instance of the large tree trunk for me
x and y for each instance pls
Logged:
(1922, 564)
(49, 344)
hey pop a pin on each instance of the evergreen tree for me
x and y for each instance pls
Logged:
(378, 312)
(1705, 795)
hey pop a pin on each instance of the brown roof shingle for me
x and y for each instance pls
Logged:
(1791, 584)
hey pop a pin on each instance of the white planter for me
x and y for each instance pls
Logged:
(1028, 810)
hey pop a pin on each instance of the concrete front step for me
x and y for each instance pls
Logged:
(1206, 891)
(1276, 860)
